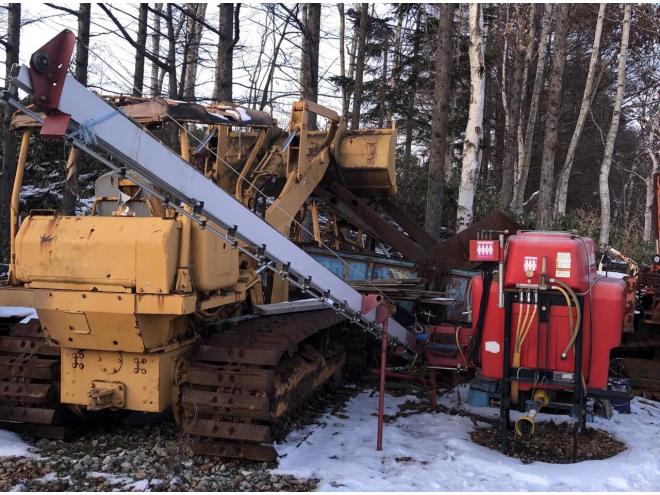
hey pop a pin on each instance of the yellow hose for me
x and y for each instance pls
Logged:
(527, 328)
(516, 350)
(569, 305)
(578, 319)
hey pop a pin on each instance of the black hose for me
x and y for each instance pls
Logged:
(475, 342)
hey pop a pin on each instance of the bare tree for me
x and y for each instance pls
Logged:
(309, 62)
(603, 179)
(155, 49)
(359, 65)
(171, 52)
(138, 73)
(544, 207)
(266, 91)
(342, 59)
(565, 174)
(473, 130)
(71, 189)
(82, 43)
(511, 105)
(12, 46)
(526, 156)
(436, 175)
(412, 92)
(195, 24)
(520, 130)
(396, 55)
(229, 35)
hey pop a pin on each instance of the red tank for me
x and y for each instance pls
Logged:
(570, 259)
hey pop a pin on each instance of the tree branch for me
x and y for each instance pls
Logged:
(133, 43)
(63, 9)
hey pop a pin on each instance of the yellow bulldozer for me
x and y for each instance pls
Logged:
(149, 304)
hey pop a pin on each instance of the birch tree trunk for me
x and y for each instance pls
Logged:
(138, 73)
(603, 180)
(650, 182)
(435, 188)
(473, 131)
(589, 88)
(523, 166)
(154, 87)
(546, 186)
(359, 66)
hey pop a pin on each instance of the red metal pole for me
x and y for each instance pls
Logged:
(381, 398)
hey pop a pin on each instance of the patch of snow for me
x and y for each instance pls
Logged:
(138, 486)
(18, 312)
(426, 451)
(113, 479)
(11, 445)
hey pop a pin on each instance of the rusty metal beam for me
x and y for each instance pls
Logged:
(338, 195)
(407, 223)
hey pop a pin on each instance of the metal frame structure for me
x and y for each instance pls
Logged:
(193, 195)
(510, 374)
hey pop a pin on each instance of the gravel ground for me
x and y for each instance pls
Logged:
(146, 452)
(136, 458)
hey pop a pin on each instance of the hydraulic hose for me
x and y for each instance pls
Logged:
(521, 324)
(526, 329)
(569, 304)
(578, 318)
(458, 346)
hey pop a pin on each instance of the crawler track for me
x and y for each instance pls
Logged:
(243, 380)
(29, 382)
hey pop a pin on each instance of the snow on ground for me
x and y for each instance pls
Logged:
(12, 445)
(18, 312)
(425, 451)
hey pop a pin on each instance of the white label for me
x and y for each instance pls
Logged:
(530, 263)
(484, 248)
(492, 346)
(563, 265)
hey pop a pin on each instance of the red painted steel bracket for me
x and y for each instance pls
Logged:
(48, 69)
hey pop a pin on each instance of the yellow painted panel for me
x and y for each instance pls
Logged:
(147, 378)
(214, 263)
(134, 252)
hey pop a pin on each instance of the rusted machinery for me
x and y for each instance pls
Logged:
(155, 299)
(182, 288)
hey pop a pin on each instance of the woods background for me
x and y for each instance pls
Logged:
(548, 112)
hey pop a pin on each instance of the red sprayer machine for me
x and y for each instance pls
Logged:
(548, 325)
